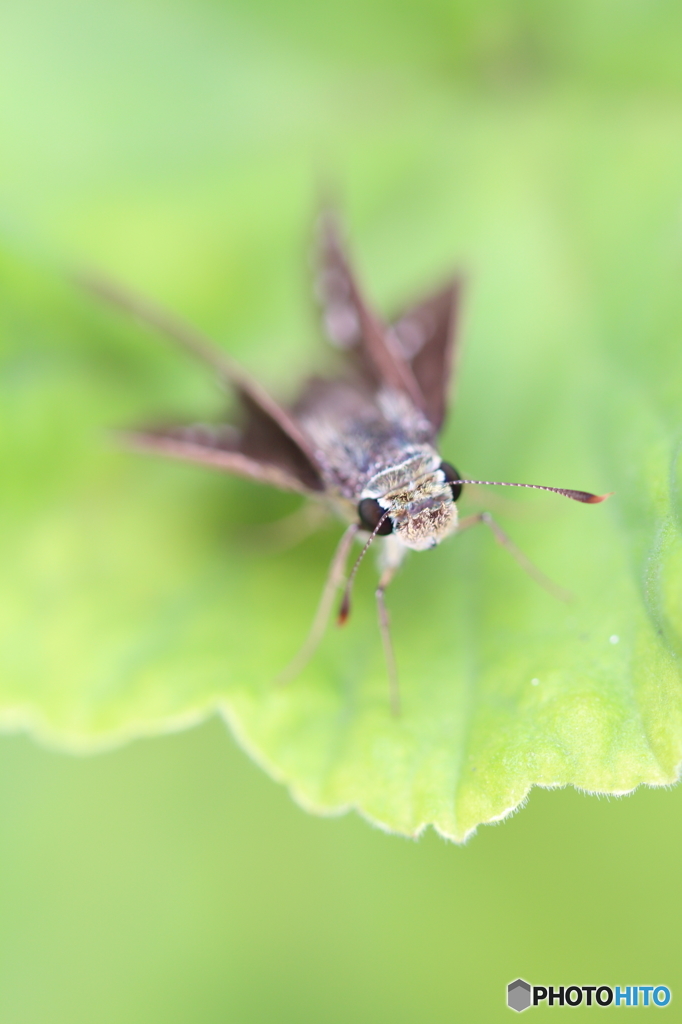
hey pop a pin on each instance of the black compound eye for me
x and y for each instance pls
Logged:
(370, 512)
(452, 477)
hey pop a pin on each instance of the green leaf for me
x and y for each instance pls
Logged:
(135, 597)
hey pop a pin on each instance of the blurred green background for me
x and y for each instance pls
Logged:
(173, 881)
(180, 145)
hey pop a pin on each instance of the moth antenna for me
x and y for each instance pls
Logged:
(344, 610)
(584, 496)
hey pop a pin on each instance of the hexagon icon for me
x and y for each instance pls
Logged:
(518, 995)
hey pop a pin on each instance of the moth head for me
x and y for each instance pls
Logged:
(414, 502)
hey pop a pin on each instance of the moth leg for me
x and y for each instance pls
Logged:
(506, 542)
(335, 578)
(147, 312)
(385, 629)
(287, 532)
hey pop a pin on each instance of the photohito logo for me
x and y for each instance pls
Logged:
(521, 995)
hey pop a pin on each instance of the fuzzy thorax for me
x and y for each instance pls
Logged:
(418, 499)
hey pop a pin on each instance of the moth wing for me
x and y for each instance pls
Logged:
(426, 334)
(266, 420)
(264, 440)
(259, 452)
(349, 321)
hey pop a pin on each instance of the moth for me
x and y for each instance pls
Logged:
(363, 441)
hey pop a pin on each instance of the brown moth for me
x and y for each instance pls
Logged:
(364, 442)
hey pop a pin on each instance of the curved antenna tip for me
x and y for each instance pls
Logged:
(594, 499)
(344, 611)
